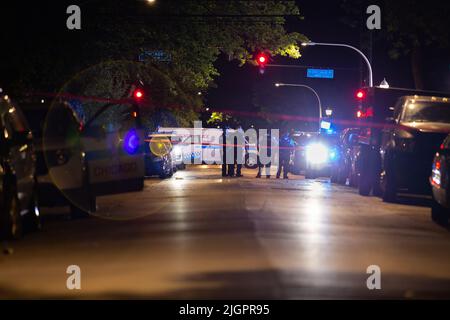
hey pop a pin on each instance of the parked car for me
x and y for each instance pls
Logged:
(409, 142)
(158, 156)
(347, 166)
(440, 186)
(373, 106)
(19, 208)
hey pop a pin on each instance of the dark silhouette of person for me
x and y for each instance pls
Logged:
(239, 150)
(286, 146)
(224, 151)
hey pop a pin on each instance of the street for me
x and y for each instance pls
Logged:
(201, 236)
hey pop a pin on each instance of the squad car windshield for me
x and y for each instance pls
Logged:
(427, 112)
(56, 121)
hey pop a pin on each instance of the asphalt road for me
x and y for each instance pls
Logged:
(200, 236)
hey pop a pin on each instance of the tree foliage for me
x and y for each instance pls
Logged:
(193, 33)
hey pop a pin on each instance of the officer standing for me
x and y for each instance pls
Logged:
(224, 151)
(286, 146)
(239, 150)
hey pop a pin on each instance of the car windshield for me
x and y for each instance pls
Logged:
(427, 112)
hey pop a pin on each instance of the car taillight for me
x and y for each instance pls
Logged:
(437, 165)
(436, 172)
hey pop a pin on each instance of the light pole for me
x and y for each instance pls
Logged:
(309, 88)
(369, 66)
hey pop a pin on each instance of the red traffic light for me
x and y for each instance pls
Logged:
(262, 59)
(138, 94)
(360, 94)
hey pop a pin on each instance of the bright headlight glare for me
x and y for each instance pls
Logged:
(177, 150)
(317, 153)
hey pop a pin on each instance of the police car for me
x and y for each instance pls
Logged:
(61, 162)
(81, 159)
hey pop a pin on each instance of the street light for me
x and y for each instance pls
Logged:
(309, 88)
(369, 66)
(328, 112)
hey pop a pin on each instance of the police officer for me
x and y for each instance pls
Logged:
(239, 150)
(224, 151)
(286, 146)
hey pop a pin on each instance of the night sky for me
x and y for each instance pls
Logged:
(322, 22)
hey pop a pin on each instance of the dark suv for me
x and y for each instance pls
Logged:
(409, 142)
(18, 193)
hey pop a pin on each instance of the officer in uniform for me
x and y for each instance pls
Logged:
(286, 146)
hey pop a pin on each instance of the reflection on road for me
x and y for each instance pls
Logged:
(199, 235)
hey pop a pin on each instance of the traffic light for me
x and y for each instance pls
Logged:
(261, 60)
(360, 94)
(138, 94)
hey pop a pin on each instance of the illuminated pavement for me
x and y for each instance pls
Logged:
(200, 236)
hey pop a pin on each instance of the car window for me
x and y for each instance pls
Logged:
(115, 118)
(61, 122)
(426, 112)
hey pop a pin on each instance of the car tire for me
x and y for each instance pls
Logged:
(439, 214)
(11, 227)
(248, 164)
(166, 170)
(388, 188)
(365, 179)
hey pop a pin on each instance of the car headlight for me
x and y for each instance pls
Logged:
(317, 153)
